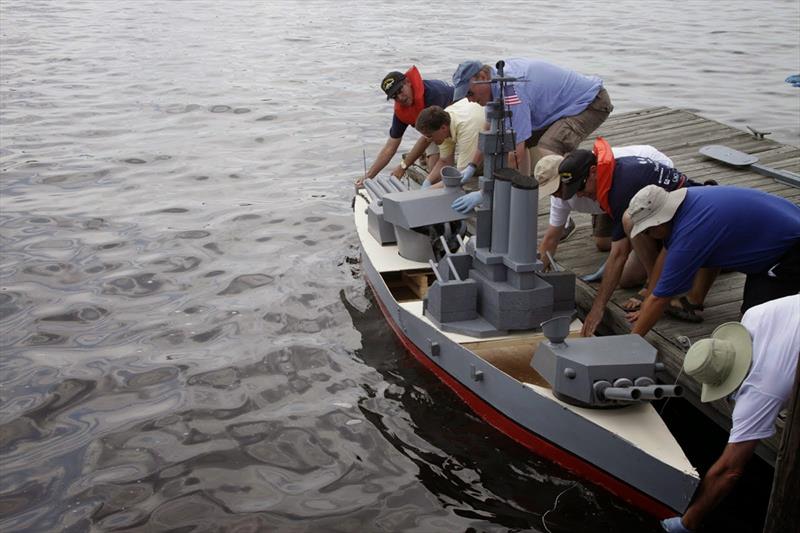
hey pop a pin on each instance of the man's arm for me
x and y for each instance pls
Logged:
(435, 175)
(653, 306)
(520, 160)
(384, 156)
(613, 272)
(419, 148)
(719, 481)
(549, 244)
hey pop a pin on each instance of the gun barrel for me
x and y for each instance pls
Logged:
(623, 394)
(374, 190)
(652, 392)
(672, 391)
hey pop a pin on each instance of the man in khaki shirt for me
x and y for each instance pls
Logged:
(455, 130)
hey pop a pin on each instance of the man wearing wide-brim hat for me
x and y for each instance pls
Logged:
(756, 360)
(732, 228)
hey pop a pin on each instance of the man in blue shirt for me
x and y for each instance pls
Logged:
(612, 182)
(553, 108)
(733, 228)
(411, 94)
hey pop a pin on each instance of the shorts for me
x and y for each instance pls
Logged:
(782, 279)
(602, 225)
(565, 134)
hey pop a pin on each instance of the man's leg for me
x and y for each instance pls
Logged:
(536, 153)
(431, 155)
(602, 228)
(633, 273)
(781, 280)
(702, 283)
(564, 135)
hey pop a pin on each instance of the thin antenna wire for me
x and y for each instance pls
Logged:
(668, 398)
(555, 504)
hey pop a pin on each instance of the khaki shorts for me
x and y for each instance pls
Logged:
(602, 225)
(564, 135)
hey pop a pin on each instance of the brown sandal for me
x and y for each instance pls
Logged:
(686, 311)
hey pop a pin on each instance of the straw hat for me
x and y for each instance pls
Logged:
(652, 206)
(722, 362)
(546, 173)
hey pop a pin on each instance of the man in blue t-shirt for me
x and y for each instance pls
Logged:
(733, 228)
(612, 182)
(411, 94)
(553, 108)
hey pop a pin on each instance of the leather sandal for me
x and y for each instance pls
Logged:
(686, 310)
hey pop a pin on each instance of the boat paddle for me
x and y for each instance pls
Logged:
(739, 159)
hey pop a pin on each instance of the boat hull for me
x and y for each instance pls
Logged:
(572, 437)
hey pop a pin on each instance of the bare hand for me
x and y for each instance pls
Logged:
(592, 321)
(398, 172)
(633, 316)
(360, 182)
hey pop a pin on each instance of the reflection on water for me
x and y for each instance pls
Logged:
(187, 340)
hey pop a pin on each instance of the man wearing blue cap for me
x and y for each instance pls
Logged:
(553, 108)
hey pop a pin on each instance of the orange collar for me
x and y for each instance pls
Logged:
(408, 115)
(605, 172)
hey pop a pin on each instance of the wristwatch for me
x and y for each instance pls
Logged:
(403, 164)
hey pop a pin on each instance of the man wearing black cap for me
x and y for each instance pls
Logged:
(411, 94)
(553, 108)
(612, 182)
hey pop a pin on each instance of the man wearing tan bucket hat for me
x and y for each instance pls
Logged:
(610, 181)
(733, 228)
(757, 360)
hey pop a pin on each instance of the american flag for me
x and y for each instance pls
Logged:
(511, 96)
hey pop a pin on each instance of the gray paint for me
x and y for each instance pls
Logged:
(424, 207)
(500, 211)
(540, 415)
(413, 245)
(381, 231)
(522, 236)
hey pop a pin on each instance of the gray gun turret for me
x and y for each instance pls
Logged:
(599, 372)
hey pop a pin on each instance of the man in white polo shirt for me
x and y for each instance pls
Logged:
(546, 173)
(455, 129)
(757, 360)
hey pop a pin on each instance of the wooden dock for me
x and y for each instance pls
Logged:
(679, 134)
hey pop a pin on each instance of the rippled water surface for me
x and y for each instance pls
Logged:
(187, 341)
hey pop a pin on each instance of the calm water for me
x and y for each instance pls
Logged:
(187, 341)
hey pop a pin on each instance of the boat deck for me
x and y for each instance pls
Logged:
(679, 134)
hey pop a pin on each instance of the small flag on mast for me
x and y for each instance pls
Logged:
(511, 96)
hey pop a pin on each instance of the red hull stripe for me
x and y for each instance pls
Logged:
(531, 441)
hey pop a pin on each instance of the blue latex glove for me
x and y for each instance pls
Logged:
(468, 202)
(674, 525)
(794, 80)
(425, 184)
(468, 173)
